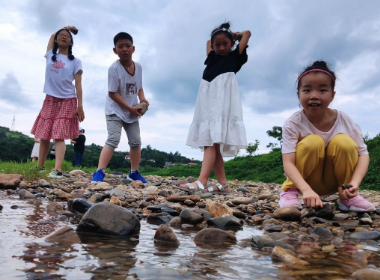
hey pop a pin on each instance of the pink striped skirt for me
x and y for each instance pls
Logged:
(57, 119)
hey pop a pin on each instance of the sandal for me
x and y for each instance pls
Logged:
(190, 188)
(222, 189)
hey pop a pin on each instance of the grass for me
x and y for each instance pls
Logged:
(31, 173)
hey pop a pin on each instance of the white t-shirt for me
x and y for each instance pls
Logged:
(127, 86)
(298, 126)
(59, 75)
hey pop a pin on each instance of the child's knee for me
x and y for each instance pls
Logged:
(113, 142)
(344, 142)
(311, 143)
(135, 144)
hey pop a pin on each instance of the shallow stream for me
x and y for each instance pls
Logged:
(25, 255)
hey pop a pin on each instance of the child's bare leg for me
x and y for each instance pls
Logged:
(219, 167)
(207, 164)
(105, 157)
(60, 149)
(135, 156)
(43, 152)
(33, 159)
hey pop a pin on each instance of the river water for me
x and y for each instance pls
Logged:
(25, 255)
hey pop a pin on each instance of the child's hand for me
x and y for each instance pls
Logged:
(349, 193)
(145, 101)
(237, 36)
(80, 113)
(312, 199)
(135, 111)
(72, 29)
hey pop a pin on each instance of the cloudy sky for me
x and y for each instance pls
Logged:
(170, 39)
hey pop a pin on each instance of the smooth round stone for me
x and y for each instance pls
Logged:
(242, 189)
(365, 235)
(323, 232)
(14, 207)
(273, 228)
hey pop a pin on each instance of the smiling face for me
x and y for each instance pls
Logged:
(315, 92)
(63, 39)
(222, 45)
(124, 49)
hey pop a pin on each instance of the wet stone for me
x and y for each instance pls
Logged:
(326, 212)
(365, 219)
(322, 232)
(175, 222)
(14, 207)
(24, 194)
(287, 257)
(225, 222)
(261, 242)
(80, 205)
(341, 216)
(365, 235)
(214, 235)
(273, 228)
(107, 218)
(188, 216)
(159, 218)
(218, 209)
(165, 234)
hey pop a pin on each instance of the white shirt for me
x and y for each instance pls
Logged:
(59, 75)
(298, 126)
(127, 86)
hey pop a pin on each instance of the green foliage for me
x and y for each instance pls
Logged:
(276, 133)
(17, 147)
(252, 148)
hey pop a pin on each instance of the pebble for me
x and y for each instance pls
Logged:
(365, 235)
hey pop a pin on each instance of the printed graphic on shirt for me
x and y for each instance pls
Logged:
(131, 89)
(57, 65)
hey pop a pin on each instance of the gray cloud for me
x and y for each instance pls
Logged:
(11, 91)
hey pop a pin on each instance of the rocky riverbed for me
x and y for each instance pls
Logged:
(70, 228)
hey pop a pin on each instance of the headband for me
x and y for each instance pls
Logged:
(315, 70)
(222, 30)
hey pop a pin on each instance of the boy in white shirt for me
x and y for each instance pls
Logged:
(124, 86)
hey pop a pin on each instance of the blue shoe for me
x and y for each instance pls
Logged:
(98, 176)
(136, 176)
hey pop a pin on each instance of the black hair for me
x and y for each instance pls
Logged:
(55, 47)
(215, 32)
(321, 65)
(82, 130)
(122, 35)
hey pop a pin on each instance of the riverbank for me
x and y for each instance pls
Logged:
(324, 244)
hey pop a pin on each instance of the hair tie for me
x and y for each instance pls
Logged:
(315, 70)
(222, 30)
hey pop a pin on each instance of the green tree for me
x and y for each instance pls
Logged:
(276, 133)
(252, 148)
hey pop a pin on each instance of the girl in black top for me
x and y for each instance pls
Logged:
(217, 126)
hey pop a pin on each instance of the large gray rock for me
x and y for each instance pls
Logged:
(188, 216)
(110, 219)
(214, 235)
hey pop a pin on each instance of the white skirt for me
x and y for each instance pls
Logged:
(218, 116)
(36, 150)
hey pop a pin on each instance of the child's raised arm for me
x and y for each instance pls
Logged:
(208, 47)
(243, 38)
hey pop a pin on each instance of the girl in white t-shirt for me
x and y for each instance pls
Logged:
(62, 108)
(322, 147)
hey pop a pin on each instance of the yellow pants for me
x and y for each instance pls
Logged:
(325, 169)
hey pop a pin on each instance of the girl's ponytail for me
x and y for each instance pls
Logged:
(55, 48)
(71, 56)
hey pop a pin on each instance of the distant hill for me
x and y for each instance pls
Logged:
(16, 146)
